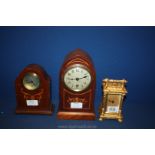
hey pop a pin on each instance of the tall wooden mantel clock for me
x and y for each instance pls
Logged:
(33, 91)
(77, 87)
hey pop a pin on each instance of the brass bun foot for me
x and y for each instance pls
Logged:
(120, 120)
(101, 119)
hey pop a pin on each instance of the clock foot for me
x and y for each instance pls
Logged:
(120, 120)
(101, 119)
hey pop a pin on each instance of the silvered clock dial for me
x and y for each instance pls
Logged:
(31, 81)
(77, 79)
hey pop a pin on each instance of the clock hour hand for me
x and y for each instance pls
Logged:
(111, 101)
(30, 81)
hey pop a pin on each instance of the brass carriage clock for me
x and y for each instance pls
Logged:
(33, 91)
(114, 92)
(77, 87)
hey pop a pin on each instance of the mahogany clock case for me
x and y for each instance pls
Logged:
(81, 59)
(41, 94)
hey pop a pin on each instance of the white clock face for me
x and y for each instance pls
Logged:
(77, 79)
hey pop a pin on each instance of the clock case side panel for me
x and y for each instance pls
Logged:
(42, 94)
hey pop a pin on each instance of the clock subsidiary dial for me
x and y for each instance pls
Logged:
(77, 79)
(31, 81)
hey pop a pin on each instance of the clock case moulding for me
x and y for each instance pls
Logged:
(80, 58)
(42, 94)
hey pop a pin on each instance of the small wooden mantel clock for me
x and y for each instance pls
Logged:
(33, 91)
(77, 87)
(114, 92)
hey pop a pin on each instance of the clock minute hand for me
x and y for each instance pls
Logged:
(31, 80)
(77, 79)
(83, 77)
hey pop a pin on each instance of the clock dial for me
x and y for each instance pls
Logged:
(77, 79)
(31, 81)
(113, 100)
